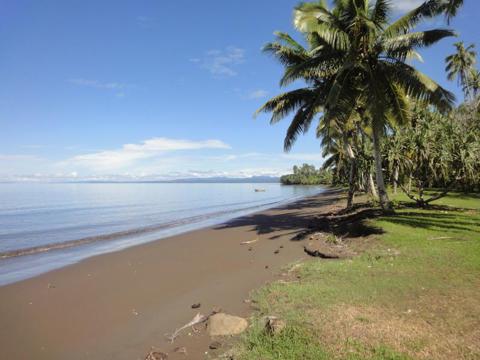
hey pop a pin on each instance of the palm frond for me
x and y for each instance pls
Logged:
(418, 85)
(282, 105)
(400, 46)
(428, 9)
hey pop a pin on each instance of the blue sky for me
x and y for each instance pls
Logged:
(151, 89)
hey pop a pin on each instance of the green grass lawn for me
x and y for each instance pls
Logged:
(415, 294)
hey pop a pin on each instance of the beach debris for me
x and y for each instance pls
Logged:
(266, 266)
(197, 319)
(249, 242)
(215, 345)
(222, 324)
(156, 355)
(196, 305)
(274, 325)
(276, 252)
(317, 253)
(181, 350)
(281, 246)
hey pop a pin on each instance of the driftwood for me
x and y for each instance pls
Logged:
(316, 253)
(198, 319)
(249, 242)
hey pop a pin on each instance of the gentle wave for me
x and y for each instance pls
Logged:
(126, 233)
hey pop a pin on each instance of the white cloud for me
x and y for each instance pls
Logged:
(405, 5)
(14, 157)
(144, 22)
(258, 94)
(153, 159)
(222, 63)
(129, 154)
(98, 84)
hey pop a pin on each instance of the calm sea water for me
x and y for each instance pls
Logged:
(47, 226)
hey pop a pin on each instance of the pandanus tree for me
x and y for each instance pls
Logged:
(435, 150)
(460, 66)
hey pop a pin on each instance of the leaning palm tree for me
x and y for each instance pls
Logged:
(371, 67)
(308, 102)
(460, 65)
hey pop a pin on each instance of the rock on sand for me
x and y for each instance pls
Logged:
(224, 325)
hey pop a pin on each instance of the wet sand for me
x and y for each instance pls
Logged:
(120, 305)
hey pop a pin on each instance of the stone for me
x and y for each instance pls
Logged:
(222, 324)
(196, 306)
(274, 325)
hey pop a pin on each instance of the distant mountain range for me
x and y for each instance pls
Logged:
(253, 179)
(209, 180)
(107, 180)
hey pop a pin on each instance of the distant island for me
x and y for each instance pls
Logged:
(307, 175)
(207, 180)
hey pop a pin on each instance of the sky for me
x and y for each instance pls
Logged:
(154, 89)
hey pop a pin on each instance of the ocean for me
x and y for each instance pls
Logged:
(44, 226)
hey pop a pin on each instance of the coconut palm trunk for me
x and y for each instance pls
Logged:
(351, 183)
(371, 186)
(382, 192)
(395, 179)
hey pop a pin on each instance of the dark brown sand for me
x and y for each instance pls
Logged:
(120, 305)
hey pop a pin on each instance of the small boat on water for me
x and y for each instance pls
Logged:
(260, 190)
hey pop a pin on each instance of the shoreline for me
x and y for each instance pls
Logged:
(120, 304)
(41, 259)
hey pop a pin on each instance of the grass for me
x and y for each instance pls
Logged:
(414, 295)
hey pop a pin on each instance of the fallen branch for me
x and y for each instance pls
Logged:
(198, 319)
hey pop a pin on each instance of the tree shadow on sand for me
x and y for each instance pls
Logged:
(301, 219)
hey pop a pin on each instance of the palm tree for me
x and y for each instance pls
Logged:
(460, 64)
(371, 65)
(473, 82)
(308, 102)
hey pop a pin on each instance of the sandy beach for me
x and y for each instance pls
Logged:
(121, 305)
